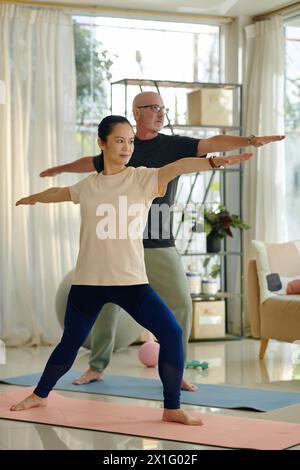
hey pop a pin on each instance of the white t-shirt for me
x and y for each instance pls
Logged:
(114, 210)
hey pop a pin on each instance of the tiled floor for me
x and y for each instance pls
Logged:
(231, 363)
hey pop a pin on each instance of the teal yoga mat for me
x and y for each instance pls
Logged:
(217, 396)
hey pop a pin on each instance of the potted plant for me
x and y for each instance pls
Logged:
(218, 224)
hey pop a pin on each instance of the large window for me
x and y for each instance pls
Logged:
(110, 49)
(292, 125)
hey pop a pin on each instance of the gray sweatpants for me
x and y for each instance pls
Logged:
(167, 277)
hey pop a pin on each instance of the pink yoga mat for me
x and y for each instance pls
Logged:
(218, 430)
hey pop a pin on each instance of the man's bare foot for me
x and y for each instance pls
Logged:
(180, 416)
(89, 376)
(187, 386)
(30, 402)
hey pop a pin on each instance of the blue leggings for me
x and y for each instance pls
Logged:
(145, 306)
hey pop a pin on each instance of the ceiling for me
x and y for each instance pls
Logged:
(196, 7)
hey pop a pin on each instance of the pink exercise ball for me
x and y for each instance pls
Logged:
(148, 352)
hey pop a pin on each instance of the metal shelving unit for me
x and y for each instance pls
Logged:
(224, 175)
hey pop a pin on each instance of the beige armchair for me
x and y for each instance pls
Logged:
(277, 318)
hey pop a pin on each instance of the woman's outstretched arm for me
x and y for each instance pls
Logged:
(193, 165)
(50, 195)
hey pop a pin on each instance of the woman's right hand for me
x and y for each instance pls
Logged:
(26, 200)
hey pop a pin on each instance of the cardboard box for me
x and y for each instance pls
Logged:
(210, 107)
(208, 319)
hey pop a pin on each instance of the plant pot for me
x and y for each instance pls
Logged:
(213, 243)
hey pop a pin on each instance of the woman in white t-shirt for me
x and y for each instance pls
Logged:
(110, 267)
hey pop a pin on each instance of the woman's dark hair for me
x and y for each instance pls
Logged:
(108, 123)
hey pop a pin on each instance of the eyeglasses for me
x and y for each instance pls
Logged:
(156, 108)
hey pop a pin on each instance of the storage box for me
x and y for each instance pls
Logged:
(210, 107)
(208, 319)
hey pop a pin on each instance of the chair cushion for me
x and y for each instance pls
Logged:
(280, 318)
(277, 265)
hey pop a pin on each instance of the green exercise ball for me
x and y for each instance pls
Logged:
(128, 330)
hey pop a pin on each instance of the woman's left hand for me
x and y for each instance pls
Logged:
(233, 159)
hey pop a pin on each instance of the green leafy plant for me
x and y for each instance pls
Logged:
(219, 222)
(210, 270)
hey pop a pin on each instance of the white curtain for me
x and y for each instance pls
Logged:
(264, 177)
(37, 130)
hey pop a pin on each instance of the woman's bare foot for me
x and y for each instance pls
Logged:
(89, 376)
(30, 402)
(180, 416)
(186, 385)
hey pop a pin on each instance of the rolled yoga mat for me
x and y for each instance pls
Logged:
(217, 430)
(218, 396)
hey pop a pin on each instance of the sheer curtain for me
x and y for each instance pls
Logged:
(37, 130)
(264, 188)
(264, 175)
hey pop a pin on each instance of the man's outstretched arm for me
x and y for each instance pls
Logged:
(83, 165)
(224, 143)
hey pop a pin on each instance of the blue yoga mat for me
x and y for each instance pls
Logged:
(217, 396)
